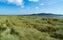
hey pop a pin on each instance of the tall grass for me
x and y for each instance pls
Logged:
(30, 28)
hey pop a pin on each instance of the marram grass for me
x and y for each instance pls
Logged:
(30, 28)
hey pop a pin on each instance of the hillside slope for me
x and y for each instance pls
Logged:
(30, 28)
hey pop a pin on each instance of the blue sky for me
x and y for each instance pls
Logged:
(19, 7)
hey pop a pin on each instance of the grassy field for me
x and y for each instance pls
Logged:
(30, 28)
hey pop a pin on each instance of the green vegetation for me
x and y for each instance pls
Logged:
(30, 28)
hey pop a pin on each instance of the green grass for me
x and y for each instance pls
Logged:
(30, 28)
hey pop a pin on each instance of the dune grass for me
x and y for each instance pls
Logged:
(30, 28)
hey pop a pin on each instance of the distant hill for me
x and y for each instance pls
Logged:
(46, 15)
(40, 14)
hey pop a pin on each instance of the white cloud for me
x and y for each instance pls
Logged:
(42, 4)
(11, 1)
(22, 6)
(50, 2)
(37, 7)
(21, 2)
(17, 2)
(34, 0)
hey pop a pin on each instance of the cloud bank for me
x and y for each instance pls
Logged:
(34, 0)
(17, 2)
(21, 2)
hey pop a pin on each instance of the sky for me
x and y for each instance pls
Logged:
(21, 7)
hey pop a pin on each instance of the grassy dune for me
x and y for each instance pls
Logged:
(30, 28)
